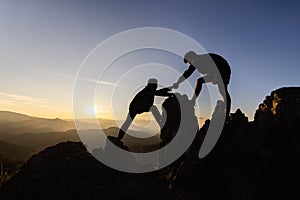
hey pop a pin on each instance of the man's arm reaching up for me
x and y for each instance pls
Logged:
(187, 73)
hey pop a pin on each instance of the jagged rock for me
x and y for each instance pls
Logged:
(277, 119)
(172, 115)
(179, 113)
(238, 117)
(200, 178)
(252, 160)
(281, 107)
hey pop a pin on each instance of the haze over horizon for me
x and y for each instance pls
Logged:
(43, 43)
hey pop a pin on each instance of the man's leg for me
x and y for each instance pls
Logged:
(224, 94)
(157, 116)
(198, 87)
(131, 115)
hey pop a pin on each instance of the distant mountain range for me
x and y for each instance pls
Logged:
(15, 123)
(39, 141)
(15, 151)
(21, 135)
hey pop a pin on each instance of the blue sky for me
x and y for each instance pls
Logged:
(44, 42)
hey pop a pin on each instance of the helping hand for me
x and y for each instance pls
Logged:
(175, 85)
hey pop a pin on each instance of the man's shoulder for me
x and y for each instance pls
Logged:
(211, 56)
(144, 90)
(144, 93)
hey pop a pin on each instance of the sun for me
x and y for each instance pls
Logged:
(91, 111)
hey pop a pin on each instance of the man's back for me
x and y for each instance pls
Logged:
(143, 100)
(207, 63)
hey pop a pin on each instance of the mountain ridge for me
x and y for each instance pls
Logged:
(18, 152)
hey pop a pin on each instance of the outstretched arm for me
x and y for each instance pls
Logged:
(164, 92)
(184, 76)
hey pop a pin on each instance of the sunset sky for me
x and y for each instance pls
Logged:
(43, 44)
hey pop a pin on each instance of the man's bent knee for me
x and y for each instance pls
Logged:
(200, 80)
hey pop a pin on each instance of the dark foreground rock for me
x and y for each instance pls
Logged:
(68, 171)
(252, 160)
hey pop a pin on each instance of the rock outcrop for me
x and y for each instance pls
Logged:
(69, 171)
(252, 160)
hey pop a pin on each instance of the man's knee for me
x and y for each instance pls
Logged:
(153, 108)
(132, 114)
(200, 81)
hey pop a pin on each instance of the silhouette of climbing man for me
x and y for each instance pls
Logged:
(208, 65)
(143, 102)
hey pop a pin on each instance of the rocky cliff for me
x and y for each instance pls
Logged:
(252, 160)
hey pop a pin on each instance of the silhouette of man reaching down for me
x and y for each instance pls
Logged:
(215, 69)
(143, 102)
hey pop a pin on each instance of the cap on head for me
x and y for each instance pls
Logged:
(189, 57)
(152, 81)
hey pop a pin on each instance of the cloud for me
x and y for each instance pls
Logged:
(101, 82)
(13, 99)
(88, 79)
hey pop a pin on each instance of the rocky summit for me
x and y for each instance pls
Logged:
(251, 160)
